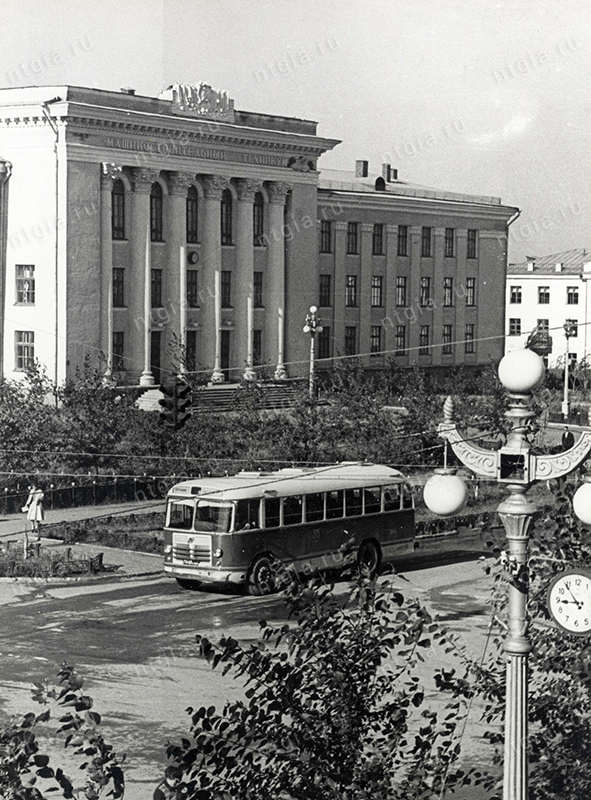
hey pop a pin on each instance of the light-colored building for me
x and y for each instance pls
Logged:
(545, 294)
(142, 230)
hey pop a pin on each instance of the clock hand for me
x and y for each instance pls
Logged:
(578, 602)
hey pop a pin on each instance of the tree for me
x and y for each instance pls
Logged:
(333, 705)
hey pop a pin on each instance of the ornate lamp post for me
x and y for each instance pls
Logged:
(570, 329)
(514, 465)
(312, 327)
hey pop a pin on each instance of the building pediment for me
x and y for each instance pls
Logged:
(200, 100)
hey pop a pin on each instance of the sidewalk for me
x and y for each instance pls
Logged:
(130, 563)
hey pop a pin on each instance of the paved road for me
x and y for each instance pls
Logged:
(134, 642)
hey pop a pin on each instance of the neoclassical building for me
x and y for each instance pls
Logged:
(158, 234)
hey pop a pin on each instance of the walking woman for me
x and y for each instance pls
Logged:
(34, 509)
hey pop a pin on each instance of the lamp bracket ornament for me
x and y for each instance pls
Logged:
(559, 464)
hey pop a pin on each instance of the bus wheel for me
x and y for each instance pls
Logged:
(261, 579)
(187, 583)
(369, 559)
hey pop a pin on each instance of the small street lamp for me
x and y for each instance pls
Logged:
(312, 327)
(570, 329)
(520, 371)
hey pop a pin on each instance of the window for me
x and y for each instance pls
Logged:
(402, 240)
(25, 349)
(469, 339)
(391, 498)
(372, 500)
(351, 291)
(292, 510)
(325, 294)
(156, 229)
(314, 507)
(426, 242)
(470, 291)
(515, 294)
(353, 502)
(257, 285)
(425, 293)
(401, 294)
(572, 295)
(118, 351)
(377, 287)
(25, 284)
(323, 341)
(350, 340)
(543, 295)
(192, 288)
(226, 288)
(376, 347)
(326, 236)
(118, 210)
(400, 340)
(257, 347)
(447, 339)
(258, 220)
(156, 288)
(192, 217)
(272, 506)
(226, 217)
(118, 287)
(378, 240)
(448, 291)
(352, 238)
(191, 350)
(514, 326)
(543, 326)
(449, 243)
(424, 340)
(573, 325)
(334, 504)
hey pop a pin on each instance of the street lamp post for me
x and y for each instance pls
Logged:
(312, 327)
(514, 465)
(569, 330)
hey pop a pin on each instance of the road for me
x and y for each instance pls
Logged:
(134, 643)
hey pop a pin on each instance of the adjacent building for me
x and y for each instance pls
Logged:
(156, 234)
(546, 294)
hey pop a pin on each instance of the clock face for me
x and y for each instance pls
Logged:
(569, 601)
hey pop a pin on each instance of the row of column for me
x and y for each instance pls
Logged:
(139, 307)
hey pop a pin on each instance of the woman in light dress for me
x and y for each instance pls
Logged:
(34, 509)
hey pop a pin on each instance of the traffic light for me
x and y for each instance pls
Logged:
(175, 403)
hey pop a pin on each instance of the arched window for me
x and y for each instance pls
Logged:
(192, 215)
(156, 213)
(380, 185)
(226, 211)
(118, 210)
(258, 220)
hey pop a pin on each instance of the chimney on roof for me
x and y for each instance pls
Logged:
(558, 267)
(361, 169)
(389, 174)
(127, 90)
(587, 266)
(531, 263)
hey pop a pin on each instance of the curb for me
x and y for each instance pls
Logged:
(79, 578)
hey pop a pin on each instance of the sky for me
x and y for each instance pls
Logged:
(474, 96)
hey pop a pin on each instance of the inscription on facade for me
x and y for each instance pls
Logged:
(193, 151)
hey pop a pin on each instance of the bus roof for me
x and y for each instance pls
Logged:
(289, 481)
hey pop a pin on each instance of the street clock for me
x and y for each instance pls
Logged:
(569, 601)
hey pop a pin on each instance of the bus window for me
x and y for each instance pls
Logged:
(371, 500)
(247, 514)
(292, 510)
(407, 498)
(334, 505)
(353, 502)
(272, 505)
(180, 516)
(213, 517)
(391, 498)
(314, 507)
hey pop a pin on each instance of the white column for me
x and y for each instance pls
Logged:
(275, 323)
(244, 279)
(175, 278)
(213, 185)
(146, 378)
(108, 174)
(183, 308)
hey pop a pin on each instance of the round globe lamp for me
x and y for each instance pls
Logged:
(445, 493)
(582, 502)
(520, 371)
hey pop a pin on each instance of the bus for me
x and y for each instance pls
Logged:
(236, 529)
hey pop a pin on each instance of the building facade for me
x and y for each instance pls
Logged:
(547, 293)
(156, 235)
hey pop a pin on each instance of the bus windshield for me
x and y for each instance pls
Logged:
(213, 517)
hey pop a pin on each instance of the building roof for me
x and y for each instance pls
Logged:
(569, 262)
(345, 181)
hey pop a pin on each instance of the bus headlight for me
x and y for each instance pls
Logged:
(218, 552)
(168, 549)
